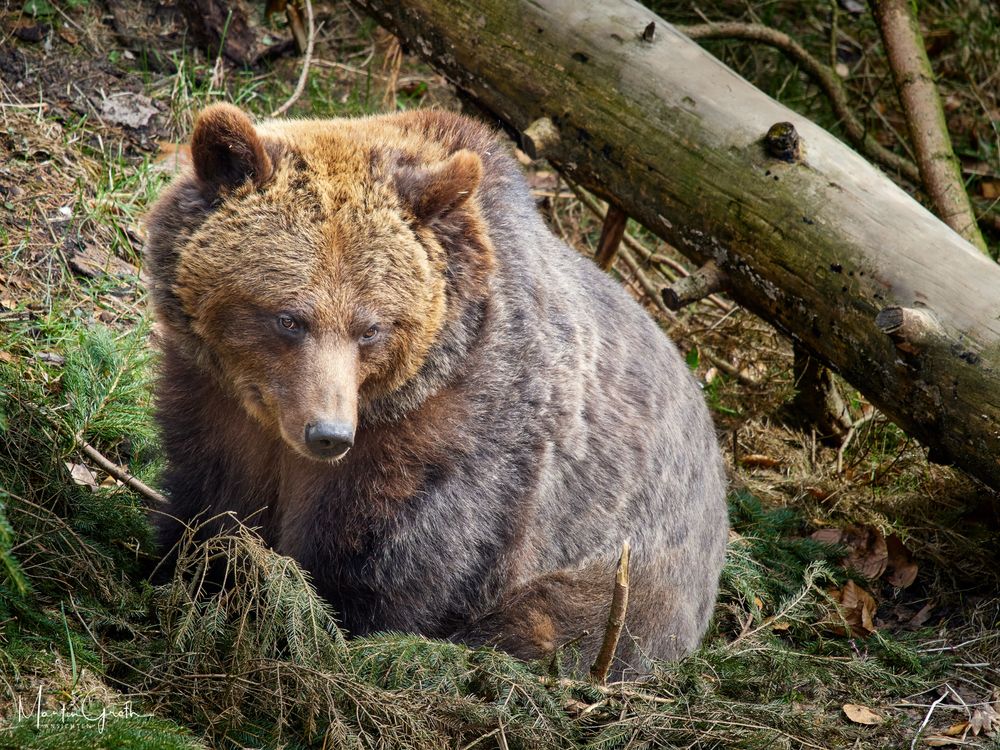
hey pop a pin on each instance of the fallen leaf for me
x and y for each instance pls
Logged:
(34, 32)
(51, 358)
(129, 109)
(857, 611)
(989, 189)
(82, 475)
(984, 720)
(861, 714)
(940, 740)
(759, 461)
(826, 536)
(68, 35)
(869, 554)
(923, 615)
(110, 482)
(901, 570)
(956, 729)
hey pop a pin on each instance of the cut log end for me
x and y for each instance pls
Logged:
(706, 281)
(539, 137)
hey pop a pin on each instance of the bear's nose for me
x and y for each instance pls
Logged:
(329, 439)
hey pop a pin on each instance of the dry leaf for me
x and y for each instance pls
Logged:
(867, 550)
(869, 554)
(861, 714)
(989, 189)
(826, 536)
(901, 570)
(984, 720)
(110, 481)
(857, 610)
(917, 621)
(940, 740)
(781, 626)
(127, 108)
(956, 729)
(82, 475)
(759, 461)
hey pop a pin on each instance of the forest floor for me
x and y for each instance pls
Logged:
(859, 603)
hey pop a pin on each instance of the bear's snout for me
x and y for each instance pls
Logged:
(329, 439)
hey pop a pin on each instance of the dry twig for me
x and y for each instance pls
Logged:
(304, 75)
(616, 621)
(911, 69)
(121, 475)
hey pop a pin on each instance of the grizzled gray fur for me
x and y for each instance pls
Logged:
(377, 353)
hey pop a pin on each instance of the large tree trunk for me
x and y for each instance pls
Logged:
(824, 247)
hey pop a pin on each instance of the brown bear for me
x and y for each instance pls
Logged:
(376, 353)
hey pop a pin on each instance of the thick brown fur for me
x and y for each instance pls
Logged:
(516, 416)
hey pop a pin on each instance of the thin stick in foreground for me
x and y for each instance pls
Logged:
(616, 621)
(304, 75)
(120, 474)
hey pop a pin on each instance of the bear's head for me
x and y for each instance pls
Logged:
(313, 266)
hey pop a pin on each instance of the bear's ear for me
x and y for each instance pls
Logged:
(433, 191)
(226, 150)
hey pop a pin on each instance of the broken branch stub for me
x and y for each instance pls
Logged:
(706, 281)
(612, 231)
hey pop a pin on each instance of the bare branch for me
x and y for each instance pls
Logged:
(911, 69)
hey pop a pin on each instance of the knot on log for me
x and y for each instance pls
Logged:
(707, 280)
(912, 329)
(539, 137)
(783, 142)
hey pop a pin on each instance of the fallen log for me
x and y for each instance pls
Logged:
(809, 235)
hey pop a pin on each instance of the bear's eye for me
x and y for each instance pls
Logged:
(288, 324)
(370, 334)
